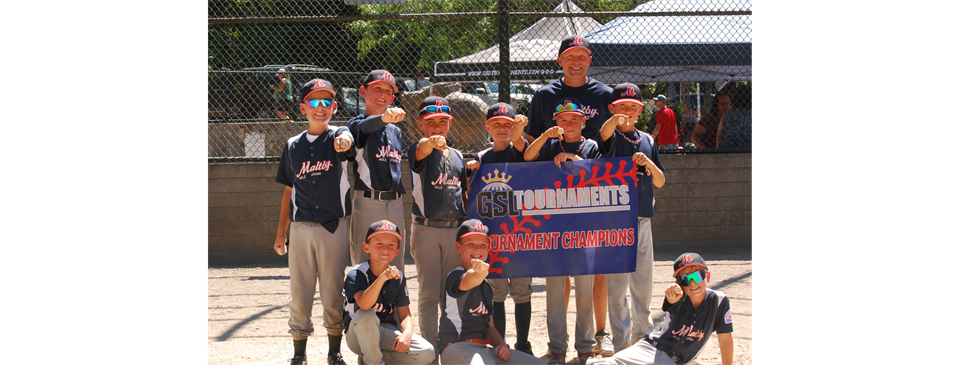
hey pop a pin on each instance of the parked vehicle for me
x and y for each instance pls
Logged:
(245, 95)
(520, 93)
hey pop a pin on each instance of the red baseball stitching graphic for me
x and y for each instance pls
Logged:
(609, 177)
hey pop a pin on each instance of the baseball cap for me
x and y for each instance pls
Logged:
(687, 259)
(626, 93)
(573, 41)
(434, 101)
(661, 98)
(472, 227)
(313, 85)
(281, 71)
(384, 226)
(501, 111)
(381, 76)
(568, 105)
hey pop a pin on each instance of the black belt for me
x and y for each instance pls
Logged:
(382, 195)
(452, 223)
(666, 349)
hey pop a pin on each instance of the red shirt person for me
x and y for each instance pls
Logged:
(666, 130)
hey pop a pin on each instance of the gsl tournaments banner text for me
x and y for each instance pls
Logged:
(578, 219)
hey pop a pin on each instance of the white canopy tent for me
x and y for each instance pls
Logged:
(674, 48)
(533, 51)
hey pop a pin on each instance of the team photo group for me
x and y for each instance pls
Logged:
(564, 191)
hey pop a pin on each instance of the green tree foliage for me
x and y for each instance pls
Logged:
(407, 45)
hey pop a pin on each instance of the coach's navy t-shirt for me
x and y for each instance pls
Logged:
(594, 95)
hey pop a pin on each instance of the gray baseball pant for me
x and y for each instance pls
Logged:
(435, 256)
(584, 339)
(472, 353)
(369, 210)
(374, 342)
(520, 289)
(641, 353)
(316, 254)
(640, 284)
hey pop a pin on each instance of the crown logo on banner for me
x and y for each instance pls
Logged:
(496, 177)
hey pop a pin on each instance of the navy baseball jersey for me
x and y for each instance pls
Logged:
(377, 165)
(393, 294)
(438, 183)
(318, 175)
(464, 314)
(586, 149)
(686, 329)
(594, 97)
(625, 145)
(509, 154)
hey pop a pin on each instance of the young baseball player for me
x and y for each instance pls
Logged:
(466, 326)
(692, 313)
(560, 143)
(376, 171)
(376, 312)
(619, 138)
(506, 129)
(439, 185)
(315, 204)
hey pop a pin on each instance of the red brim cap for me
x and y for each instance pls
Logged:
(313, 85)
(431, 115)
(575, 47)
(384, 226)
(395, 234)
(627, 100)
(392, 86)
(688, 259)
(501, 117)
(472, 227)
(567, 112)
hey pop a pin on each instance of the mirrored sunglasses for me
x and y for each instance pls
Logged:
(696, 276)
(319, 102)
(567, 107)
(436, 109)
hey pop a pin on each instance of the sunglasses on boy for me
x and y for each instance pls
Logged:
(313, 103)
(436, 109)
(696, 277)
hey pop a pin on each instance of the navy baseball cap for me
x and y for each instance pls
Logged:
(501, 111)
(661, 98)
(568, 105)
(687, 259)
(384, 226)
(434, 106)
(626, 93)
(574, 41)
(381, 76)
(314, 85)
(472, 227)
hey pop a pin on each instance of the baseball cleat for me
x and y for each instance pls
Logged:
(299, 360)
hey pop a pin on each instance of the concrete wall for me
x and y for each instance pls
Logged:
(706, 202)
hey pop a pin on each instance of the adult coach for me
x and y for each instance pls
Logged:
(574, 57)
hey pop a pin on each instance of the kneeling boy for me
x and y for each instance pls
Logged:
(466, 323)
(376, 297)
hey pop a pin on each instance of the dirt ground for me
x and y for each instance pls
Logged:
(247, 312)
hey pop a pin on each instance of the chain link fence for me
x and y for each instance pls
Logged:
(695, 52)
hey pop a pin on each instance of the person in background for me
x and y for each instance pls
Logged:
(705, 133)
(665, 133)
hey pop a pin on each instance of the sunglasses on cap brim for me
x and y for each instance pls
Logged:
(567, 107)
(436, 109)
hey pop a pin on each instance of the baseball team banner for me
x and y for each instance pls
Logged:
(578, 219)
